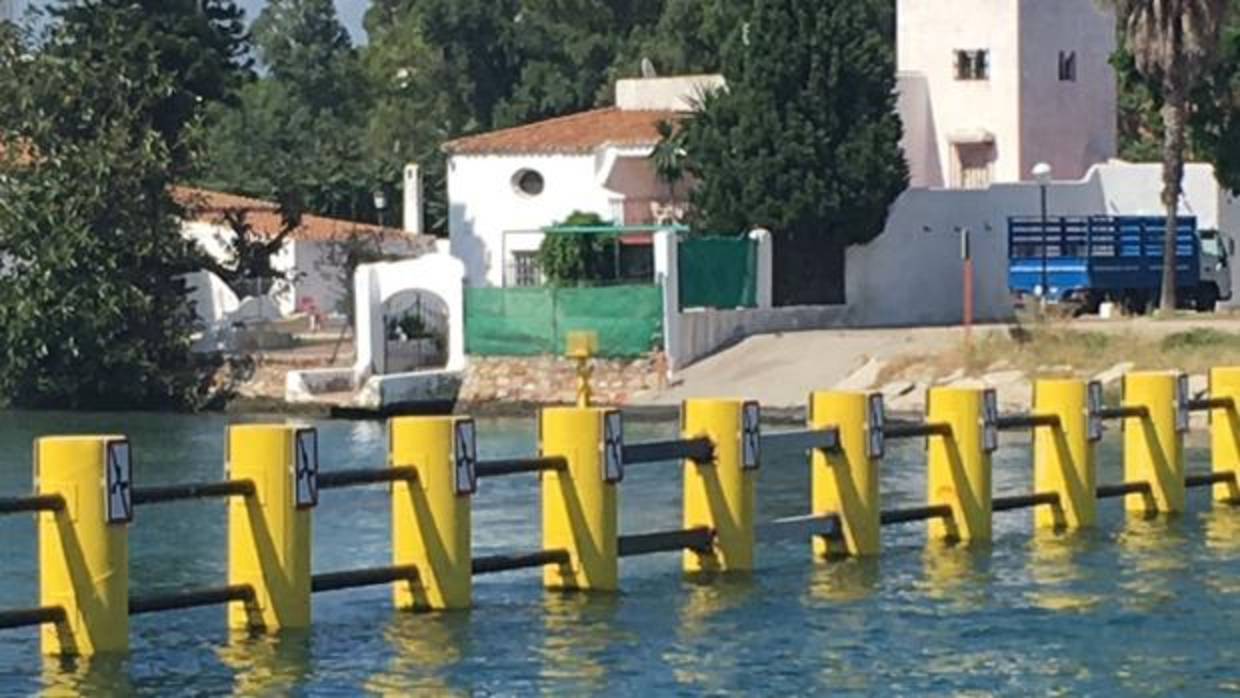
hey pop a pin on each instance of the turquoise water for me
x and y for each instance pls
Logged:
(1140, 608)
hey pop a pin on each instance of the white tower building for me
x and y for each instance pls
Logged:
(989, 88)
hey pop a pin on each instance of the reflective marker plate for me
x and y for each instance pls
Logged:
(876, 425)
(465, 456)
(990, 420)
(613, 447)
(1094, 428)
(119, 495)
(751, 436)
(306, 469)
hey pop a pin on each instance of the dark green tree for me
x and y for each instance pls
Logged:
(93, 306)
(805, 140)
(200, 47)
(298, 132)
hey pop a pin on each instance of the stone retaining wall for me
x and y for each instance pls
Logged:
(550, 379)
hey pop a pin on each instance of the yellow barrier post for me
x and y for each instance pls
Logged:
(960, 475)
(84, 548)
(431, 515)
(269, 532)
(1225, 432)
(845, 481)
(1063, 456)
(720, 495)
(579, 507)
(1153, 445)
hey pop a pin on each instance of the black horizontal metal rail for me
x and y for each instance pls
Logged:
(192, 490)
(490, 564)
(803, 440)
(513, 466)
(1125, 412)
(934, 511)
(370, 576)
(698, 450)
(699, 539)
(35, 502)
(337, 479)
(824, 525)
(912, 431)
(194, 598)
(1208, 479)
(26, 617)
(1211, 403)
(1025, 501)
(1013, 422)
(1123, 489)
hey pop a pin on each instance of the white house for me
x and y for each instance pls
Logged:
(311, 256)
(989, 88)
(505, 186)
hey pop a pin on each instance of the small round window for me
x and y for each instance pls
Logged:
(528, 182)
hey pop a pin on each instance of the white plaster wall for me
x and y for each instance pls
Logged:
(440, 274)
(677, 93)
(213, 239)
(920, 149)
(485, 204)
(928, 32)
(1070, 125)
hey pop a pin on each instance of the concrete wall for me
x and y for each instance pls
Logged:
(912, 273)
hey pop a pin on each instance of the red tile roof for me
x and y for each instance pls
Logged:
(575, 133)
(264, 216)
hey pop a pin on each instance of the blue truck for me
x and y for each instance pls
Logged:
(1085, 260)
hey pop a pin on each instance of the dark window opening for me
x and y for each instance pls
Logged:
(1067, 66)
(973, 65)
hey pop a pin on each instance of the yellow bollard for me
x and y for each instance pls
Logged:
(431, 515)
(84, 548)
(1225, 432)
(959, 465)
(1153, 446)
(269, 532)
(845, 481)
(1063, 456)
(720, 495)
(579, 507)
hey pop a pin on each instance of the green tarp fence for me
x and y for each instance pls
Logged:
(534, 321)
(718, 272)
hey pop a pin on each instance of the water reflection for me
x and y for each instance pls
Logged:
(1155, 551)
(959, 574)
(1054, 566)
(844, 581)
(267, 664)
(703, 659)
(579, 630)
(425, 649)
(68, 677)
(1222, 541)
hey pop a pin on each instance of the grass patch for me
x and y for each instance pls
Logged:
(1060, 349)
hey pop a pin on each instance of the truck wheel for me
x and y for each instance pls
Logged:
(1207, 298)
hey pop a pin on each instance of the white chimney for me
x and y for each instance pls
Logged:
(413, 199)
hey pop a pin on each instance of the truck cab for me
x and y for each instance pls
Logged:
(1216, 253)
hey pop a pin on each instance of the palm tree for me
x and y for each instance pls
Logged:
(1173, 44)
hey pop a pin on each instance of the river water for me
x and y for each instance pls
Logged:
(1133, 608)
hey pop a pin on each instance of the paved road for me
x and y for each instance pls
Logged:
(780, 369)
